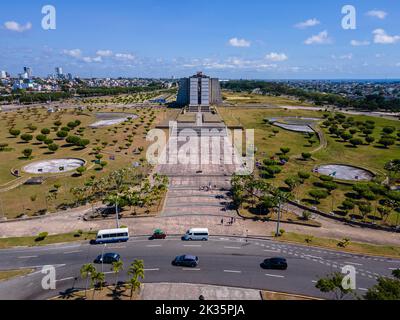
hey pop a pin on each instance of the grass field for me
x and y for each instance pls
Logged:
(10, 274)
(269, 143)
(237, 98)
(51, 239)
(119, 141)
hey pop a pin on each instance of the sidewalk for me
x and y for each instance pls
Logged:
(183, 291)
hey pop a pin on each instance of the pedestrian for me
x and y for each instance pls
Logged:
(222, 221)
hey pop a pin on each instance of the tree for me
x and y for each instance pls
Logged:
(98, 279)
(386, 142)
(292, 183)
(318, 195)
(356, 142)
(346, 136)
(388, 130)
(62, 134)
(117, 267)
(369, 139)
(86, 273)
(27, 153)
(393, 168)
(285, 150)
(45, 131)
(53, 147)
(333, 284)
(81, 170)
(15, 132)
(306, 156)
(26, 137)
(386, 288)
(41, 138)
(136, 271)
(304, 175)
(365, 208)
(83, 143)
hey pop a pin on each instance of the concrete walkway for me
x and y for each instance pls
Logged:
(183, 291)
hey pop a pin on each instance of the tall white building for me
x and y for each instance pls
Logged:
(3, 74)
(59, 72)
(28, 72)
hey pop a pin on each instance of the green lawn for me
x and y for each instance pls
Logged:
(31, 200)
(51, 239)
(268, 144)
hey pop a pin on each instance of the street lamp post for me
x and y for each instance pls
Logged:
(102, 258)
(116, 212)
(279, 219)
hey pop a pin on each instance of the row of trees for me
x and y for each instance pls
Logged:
(369, 102)
(96, 280)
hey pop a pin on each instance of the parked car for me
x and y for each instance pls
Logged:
(108, 258)
(158, 234)
(277, 263)
(186, 261)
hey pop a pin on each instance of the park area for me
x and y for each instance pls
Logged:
(342, 168)
(47, 156)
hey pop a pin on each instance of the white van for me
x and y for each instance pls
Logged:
(112, 236)
(197, 234)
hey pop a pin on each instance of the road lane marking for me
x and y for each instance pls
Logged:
(154, 269)
(233, 247)
(354, 263)
(65, 279)
(274, 275)
(117, 247)
(362, 289)
(192, 245)
(154, 245)
(27, 257)
(232, 271)
(190, 269)
(71, 252)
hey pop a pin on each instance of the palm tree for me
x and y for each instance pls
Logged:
(98, 280)
(86, 272)
(136, 270)
(117, 267)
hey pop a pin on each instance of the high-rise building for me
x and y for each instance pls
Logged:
(59, 72)
(28, 72)
(199, 91)
(3, 74)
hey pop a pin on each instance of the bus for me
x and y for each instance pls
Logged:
(112, 236)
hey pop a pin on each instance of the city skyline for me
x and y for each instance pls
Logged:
(233, 40)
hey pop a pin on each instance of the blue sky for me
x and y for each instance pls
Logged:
(263, 39)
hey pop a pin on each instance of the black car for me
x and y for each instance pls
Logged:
(186, 261)
(108, 258)
(275, 263)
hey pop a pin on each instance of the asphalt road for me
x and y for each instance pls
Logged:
(223, 261)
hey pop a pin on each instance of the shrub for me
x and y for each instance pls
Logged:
(285, 150)
(386, 141)
(304, 175)
(53, 147)
(45, 131)
(41, 236)
(306, 156)
(62, 134)
(356, 142)
(318, 194)
(26, 137)
(306, 215)
(27, 153)
(41, 137)
(15, 132)
(326, 178)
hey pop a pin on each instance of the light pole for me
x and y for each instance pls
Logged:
(277, 234)
(102, 258)
(116, 212)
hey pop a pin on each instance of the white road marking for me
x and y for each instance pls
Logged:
(65, 279)
(155, 269)
(274, 275)
(362, 289)
(192, 245)
(232, 271)
(392, 269)
(154, 245)
(356, 264)
(190, 269)
(27, 257)
(118, 247)
(233, 247)
(71, 252)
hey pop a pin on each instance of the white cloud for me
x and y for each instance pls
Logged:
(321, 38)
(90, 59)
(348, 56)
(356, 43)
(309, 23)
(381, 37)
(241, 43)
(273, 56)
(16, 27)
(125, 56)
(377, 14)
(75, 53)
(104, 53)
